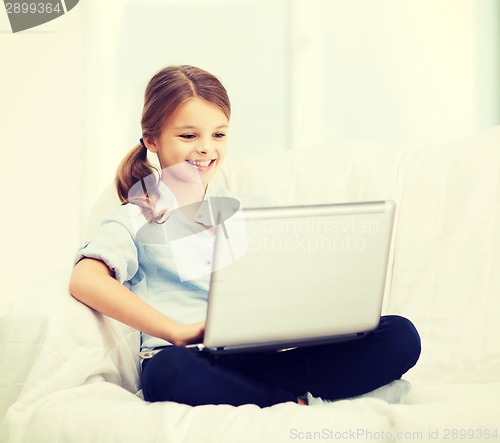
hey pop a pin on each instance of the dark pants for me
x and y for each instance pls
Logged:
(333, 371)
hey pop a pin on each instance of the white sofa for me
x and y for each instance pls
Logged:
(71, 375)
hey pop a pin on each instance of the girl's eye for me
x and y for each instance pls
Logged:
(219, 135)
(188, 136)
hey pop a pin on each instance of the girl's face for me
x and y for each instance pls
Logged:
(192, 145)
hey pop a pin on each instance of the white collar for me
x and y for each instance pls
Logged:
(204, 214)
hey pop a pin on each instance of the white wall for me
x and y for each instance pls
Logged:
(299, 72)
(42, 142)
(422, 71)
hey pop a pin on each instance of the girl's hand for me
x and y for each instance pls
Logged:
(187, 334)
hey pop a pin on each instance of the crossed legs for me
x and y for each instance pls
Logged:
(333, 371)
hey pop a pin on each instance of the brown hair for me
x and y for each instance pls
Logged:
(165, 92)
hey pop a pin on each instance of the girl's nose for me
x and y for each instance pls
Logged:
(203, 150)
(205, 146)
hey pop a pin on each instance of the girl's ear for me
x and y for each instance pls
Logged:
(151, 144)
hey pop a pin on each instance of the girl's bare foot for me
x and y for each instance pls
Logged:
(301, 401)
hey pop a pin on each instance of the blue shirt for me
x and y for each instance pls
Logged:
(168, 264)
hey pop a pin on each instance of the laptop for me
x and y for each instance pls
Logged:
(297, 276)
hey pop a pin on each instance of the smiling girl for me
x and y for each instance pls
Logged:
(133, 270)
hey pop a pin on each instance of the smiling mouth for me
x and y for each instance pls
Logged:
(201, 164)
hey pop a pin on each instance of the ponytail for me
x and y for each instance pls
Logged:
(136, 182)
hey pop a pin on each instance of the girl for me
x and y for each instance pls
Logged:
(148, 266)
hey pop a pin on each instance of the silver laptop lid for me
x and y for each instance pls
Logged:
(288, 274)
